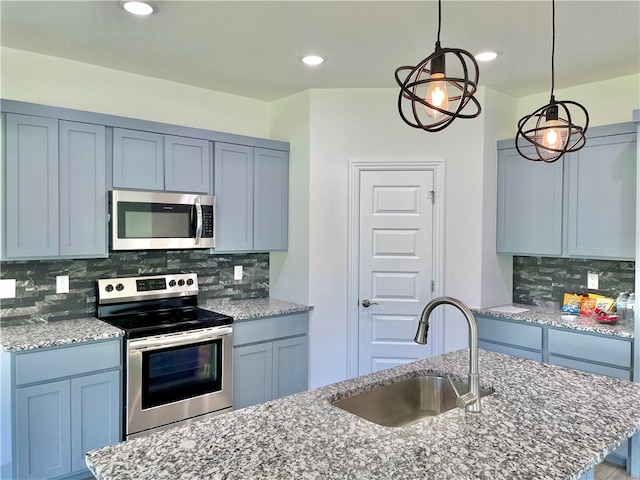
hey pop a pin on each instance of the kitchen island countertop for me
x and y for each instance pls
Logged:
(554, 318)
(542, 422)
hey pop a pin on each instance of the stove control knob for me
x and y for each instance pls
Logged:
(172, 283)
(119, 287)
(189, 281)
(109, 288)
(181, 282)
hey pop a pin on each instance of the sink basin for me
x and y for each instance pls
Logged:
(405, 402)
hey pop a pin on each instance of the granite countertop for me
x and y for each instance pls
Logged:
(554, 318)
(253, 308)
(38, 333)
(530, 427)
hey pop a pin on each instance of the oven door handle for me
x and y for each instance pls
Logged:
(156, 343)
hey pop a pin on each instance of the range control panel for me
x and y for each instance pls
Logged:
(126, 289)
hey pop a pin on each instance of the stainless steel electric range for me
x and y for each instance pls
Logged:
(177, 356)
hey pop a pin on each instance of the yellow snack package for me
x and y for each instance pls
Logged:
(571, 303)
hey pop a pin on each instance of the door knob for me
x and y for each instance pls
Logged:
(366, 303)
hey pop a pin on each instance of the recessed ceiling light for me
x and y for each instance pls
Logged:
(312, 60)
(486, 56)
(138, 8)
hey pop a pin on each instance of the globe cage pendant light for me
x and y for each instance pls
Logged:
(431, 100)
(551, 129)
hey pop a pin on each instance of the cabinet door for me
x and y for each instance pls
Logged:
(138, 160)
(43, 436)
(529, 205)
(187, 165)
(95, 423)
(234, 197)
(83, 190)
(31, 202)
(271, 200)
(289, 366)
(252, 374)
(602, 198)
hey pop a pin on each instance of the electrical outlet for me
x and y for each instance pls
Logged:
(592, 281)
(62, 284)
(237, 272)
(8, 288)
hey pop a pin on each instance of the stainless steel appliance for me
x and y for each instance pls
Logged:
(178, 357)
(158, 220)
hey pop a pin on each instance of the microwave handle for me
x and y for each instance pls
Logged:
(198, 220)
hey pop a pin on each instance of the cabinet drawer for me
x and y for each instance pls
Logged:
(596, 348)
(263, 329)
(590, 367)
(516, 334)
(38, 366)
(515, 352)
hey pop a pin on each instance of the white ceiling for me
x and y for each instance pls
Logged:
(253, 49)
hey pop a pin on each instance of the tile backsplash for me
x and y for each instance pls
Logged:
(36, 280)
(543, 281)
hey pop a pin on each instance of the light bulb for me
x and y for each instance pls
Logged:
(437, 96)
(552, 138)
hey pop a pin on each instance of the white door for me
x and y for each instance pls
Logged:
(395, 265)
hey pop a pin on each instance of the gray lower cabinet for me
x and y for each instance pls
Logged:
(55, 197)
(549, 209)
(65, 401)
(251, 186)
(589, 352)
(152, 161)
(269, 358)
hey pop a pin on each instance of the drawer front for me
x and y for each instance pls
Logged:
(590, 367)
(44, 365)
(516, 334)
(596, 348)
(263, 329)
(515, 352)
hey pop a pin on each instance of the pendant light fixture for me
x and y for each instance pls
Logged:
(552, 129)
(429, 98)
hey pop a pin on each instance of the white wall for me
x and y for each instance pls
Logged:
(35, 78)
(289, 271)
(364, 124)
(609, 101)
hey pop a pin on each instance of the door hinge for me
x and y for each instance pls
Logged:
(433, 286)
(432, 196)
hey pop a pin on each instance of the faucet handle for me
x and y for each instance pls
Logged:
(462, 401)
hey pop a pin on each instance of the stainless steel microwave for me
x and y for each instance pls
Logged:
(161, 221)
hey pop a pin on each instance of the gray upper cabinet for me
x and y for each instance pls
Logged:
(187, 165)
(151, 161)
(602, 198)
(529, 205)
(83, 189)
(583, 205)
(55, 202)
(138, 160)
(271, 205)
(31, 201)
(251, 189)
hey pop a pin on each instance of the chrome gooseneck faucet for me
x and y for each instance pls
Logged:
(471, 400)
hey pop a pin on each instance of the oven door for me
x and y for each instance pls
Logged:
(175, 377)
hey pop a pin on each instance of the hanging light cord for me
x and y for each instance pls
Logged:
(439, 20)
(553, 44)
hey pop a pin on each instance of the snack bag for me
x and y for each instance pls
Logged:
(606, 304)
(588, 305)
(571, 303)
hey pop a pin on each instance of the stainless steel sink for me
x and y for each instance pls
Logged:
(405, 402)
